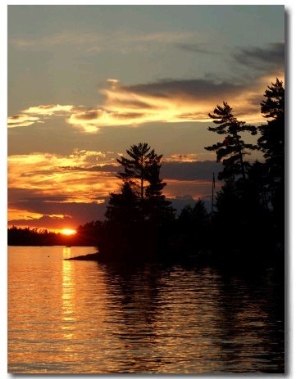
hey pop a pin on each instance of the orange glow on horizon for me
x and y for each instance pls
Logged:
(68, 232)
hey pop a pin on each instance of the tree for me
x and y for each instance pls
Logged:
(138, 218)
(122, 208)
(193, 228)
(271, 143)
(232, 150)
(141, 176)
(143, 166)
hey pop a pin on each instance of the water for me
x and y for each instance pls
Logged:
(81, 317)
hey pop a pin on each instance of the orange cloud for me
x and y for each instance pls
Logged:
(49, 110)
(164, 101)
(171, 101)
(192, 157)
(196, 189)
(36, 114)
(71, 176)
(22, 120)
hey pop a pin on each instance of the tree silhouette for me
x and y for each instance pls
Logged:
(271, 143)
(138, 218)
(123, 208)
(141, 168)
(232, 150)
(193, 228)
(142, 186)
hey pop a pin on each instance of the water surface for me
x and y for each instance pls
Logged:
(82, 317)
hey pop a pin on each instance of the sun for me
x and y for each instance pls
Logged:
(68, 232)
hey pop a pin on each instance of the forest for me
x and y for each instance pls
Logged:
(246, 221)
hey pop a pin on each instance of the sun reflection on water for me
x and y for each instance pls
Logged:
(68, 297)
(87, 318)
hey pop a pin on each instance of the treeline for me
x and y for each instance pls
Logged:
(247, 216)
(34, 237)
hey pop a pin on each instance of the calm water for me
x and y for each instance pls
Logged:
(68, 317)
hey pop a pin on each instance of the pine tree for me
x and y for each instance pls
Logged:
(142, 167)
(139, 216)
(271, 143)
(142, 175)
(123, 207)
(232, 150)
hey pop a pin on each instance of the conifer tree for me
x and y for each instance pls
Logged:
(271, 143)
(232, 150)
(142, 187)
(142, 166)
(123, 207)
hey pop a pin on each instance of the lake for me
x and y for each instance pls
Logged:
(83, 317)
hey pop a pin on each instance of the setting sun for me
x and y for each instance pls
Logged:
(68, 232)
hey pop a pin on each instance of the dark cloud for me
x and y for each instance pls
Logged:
(190, 170)
(194, 48)
(51, 222)
(106, 168)
(273, 55)
(195, 116)
(89, 115)
(16, 117)
(136, 104)
(190, 87)
(20, 120)
(75, 213)
(128, 115)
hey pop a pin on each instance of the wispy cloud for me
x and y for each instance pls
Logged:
(22, 120)
(196, 48)
(95, 42)
(52, 175)
(50, 189)
(37, 114)
(46, 187)
(161, 101)
(170, 100)
(167, 101)
(272, 57)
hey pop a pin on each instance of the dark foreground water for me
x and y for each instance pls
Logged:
(81, 317)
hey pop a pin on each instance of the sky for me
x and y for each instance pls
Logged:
(85, 82)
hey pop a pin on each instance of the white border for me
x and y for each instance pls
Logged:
(293, 194)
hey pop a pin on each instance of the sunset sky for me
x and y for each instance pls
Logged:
(87, 82)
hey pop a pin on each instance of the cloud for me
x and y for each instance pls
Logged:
(49, 110)
(93, 42)
(262, 59)
(162, 101)
(195, 48)
(171, 100)
(76, 214)
(41, 185)
(191, 157)
(190, 170)
(197, 189)
(166, 101)
(22, 120)
(48, 175)
(77, 186)
(38, 114)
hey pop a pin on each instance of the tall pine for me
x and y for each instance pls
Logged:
(232, 150)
